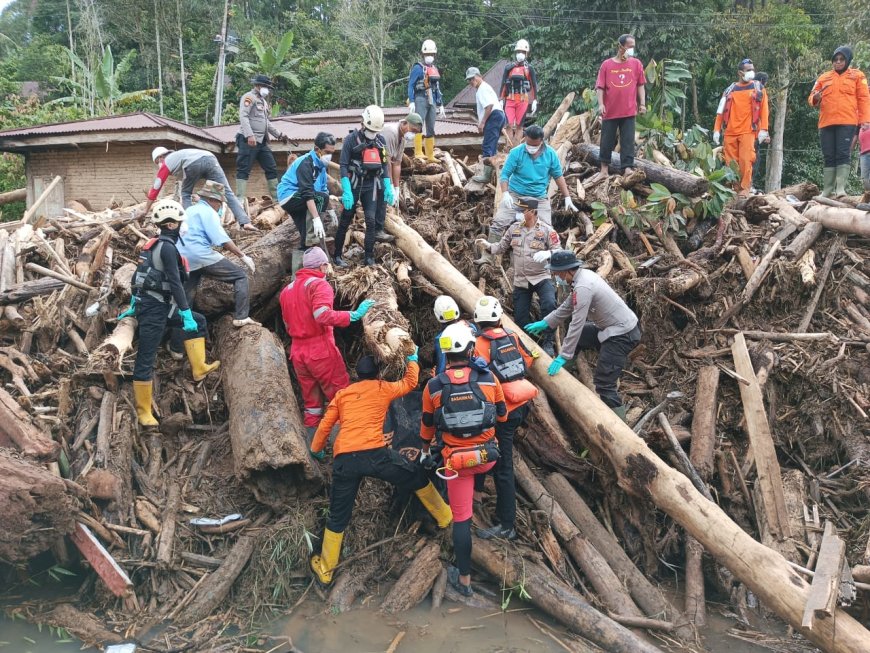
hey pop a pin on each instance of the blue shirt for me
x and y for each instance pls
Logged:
(530, 176)
(204, 231)
(305, 176)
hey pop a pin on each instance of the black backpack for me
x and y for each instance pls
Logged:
(464, 411)
(505, 358)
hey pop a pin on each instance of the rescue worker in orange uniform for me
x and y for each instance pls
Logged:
(306, 306)
(519, 90)
(743, 115)
(360, 450)
(844, 105)
(508, 360)
(462, 406)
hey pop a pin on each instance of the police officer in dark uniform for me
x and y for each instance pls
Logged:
(365, 178)
(252, 141)
(159, 301)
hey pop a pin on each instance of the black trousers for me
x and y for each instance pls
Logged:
(154, 316)
(297, 208)
(503, 472)
(349, 469)
(612, 358)
(261, 153)
(836, 142)
(625, 126)
(370, 193)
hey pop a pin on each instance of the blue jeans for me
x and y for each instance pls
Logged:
(865, 171)
(492, 132)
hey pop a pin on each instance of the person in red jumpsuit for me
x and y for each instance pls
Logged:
(306, 306)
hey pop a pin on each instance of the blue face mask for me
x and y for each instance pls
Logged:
(561, 283)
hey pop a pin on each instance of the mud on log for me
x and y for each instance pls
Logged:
(36, 505)
(642, 473)
(266, 430)
(416, 581)
(674, 180)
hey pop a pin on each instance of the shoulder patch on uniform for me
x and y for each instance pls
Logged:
(554, 238)
(248, 101)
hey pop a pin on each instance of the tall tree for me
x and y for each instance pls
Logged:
(370, 24)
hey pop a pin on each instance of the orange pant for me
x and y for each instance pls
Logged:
(741, 148)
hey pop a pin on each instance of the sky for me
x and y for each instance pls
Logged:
(3, 4)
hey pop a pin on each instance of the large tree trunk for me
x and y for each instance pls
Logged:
(673, 179)
(266, 430)
(849, 221)
(36, 505)
(642, 473)
(272, 255)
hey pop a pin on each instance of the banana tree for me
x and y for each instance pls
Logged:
(273, 62)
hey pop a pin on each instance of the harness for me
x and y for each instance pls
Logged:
(464, 411)
(757, 96)
(367, 162)
(431, 78)
(505, 359)
(518, 82)
(150, 276)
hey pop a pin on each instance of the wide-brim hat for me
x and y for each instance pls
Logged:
(563, 260)
(262, 80)
(213, 190)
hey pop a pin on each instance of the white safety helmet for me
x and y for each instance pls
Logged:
(456, 338)
(373, 118)
(166, 210)
(157, 152)
(429, 47)
(446, 309)
(487, 309)
(522, 46)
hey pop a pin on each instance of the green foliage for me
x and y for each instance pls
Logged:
(11, 178)
(667, 82)
(273, 61)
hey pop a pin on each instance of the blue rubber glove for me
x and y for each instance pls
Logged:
(130, 311)
(188, 323)
(362, 309)
(318, 455)
(556, 365)
(346, 194)
(389, 193)
(413, 358)
(536, 327)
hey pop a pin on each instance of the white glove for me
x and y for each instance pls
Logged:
(483, 243)
(763, 136)
(717, 136)
(317, 226)
(506, 200)
(249, 263)
(542, 256)
(441, 112)
(569, 205)
(534, 107)
(424, 456)
(333, 218)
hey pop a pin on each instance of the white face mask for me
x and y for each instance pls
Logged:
(326, 158)
(520, 217)
(749, 75)
(409, 136)
(428, 59)
(629, 52)
(264, 92)
(532, 149)
(521, 56)
(182, 230)
(370, 134)
(561, 282)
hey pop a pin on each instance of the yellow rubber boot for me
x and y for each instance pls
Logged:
(195, 349)
(323, 564)
(142, 392)
(436, 506)
(429, 146)
(418, 145)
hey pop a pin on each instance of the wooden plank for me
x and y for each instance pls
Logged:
(761, 442)
(826, 582)
(104, 564)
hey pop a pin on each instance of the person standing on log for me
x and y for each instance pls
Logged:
(462, 406)
(743, 115)
(304, 194)
(361, 451)
(159, 301)
(490, 121)
(306, 307)
(509, 360)
(864, 149)
(612, 327)
(395, 135)
(519, 90)
(252, 141)
(843, 100)
(447, 313)
(621, 92)
(365, 178)
(526, 175)
(425, 98)
(531, 241)
(762, 78)
(193, 165)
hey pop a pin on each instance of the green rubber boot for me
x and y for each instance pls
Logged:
(273, 188)
(620, 411)
(841, 178)
(484, 175)
(830, 177)
(242, 189)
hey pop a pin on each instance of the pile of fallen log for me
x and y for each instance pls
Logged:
(743, 463)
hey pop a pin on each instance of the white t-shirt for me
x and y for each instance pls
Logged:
(485, 97)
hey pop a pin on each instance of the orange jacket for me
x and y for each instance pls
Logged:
(845, 98)
(483, 348)
(491, 389)
(740, 117)
(361, 408)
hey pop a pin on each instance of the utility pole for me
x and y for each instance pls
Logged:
(222, 55)
(181, 56)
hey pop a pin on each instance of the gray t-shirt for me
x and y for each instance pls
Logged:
(395, 142)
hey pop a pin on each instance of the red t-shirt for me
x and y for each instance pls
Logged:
(864, 141)
(619, 80)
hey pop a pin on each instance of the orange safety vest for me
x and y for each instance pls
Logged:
(757, 96)
(519, 82)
